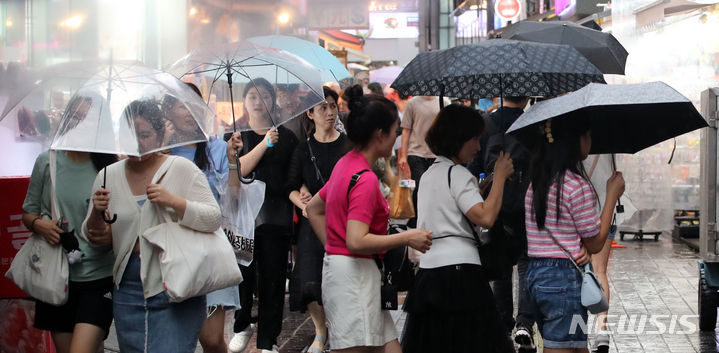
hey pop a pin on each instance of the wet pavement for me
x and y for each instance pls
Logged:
(653, 306)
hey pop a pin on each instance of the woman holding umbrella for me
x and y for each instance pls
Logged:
(564, 225)
(84, 321)
(145, 319)
(265, 154)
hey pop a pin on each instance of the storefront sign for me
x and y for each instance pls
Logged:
(13, 233)
(507, 9)
(394, 25)
(338, 15)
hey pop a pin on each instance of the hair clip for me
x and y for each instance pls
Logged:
(548, 130)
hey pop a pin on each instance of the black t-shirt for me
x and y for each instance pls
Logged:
(302, 170)
(272, 169)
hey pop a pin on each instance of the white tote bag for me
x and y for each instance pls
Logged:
(192, 263)
(40, 269)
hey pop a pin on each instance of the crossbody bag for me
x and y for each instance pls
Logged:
(592, 294)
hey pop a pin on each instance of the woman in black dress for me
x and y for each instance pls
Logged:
(310, 167)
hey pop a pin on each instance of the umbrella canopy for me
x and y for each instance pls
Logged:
(602, 49)
(623, 118)
(35, 107)
(385, 75)
(495, 68)
(102, 114)
(332, 69)
(244, 78)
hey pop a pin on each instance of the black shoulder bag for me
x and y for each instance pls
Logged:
(489, 254)
(388, 291)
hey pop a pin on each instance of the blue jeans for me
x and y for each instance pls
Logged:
(154, 324)
(555, 287)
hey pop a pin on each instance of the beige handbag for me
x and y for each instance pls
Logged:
(41, 269)
(192, 263)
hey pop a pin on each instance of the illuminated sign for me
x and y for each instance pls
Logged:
(564, 7)
(394, 24)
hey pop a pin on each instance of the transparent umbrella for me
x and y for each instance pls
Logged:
(131, 109)
(244, 78)
(227, 73)
(99, 116)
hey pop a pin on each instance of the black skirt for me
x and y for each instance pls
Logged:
(452, 309)
(306, 278)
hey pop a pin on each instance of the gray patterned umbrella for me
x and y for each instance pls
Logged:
(601, 48)
(495, 68)
(623, 118)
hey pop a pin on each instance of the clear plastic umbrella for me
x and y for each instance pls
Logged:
(228, 73)
(102, 115)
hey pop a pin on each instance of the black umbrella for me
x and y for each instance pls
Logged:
(497, 68)
(602, 49)
(623, 118)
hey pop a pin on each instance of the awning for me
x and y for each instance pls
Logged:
(342, 39)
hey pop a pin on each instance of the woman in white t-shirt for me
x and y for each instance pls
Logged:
(451, 307)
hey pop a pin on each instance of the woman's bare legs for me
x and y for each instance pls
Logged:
(317, 313)
(212, 336)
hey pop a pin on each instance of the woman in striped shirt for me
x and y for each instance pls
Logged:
(564, 222)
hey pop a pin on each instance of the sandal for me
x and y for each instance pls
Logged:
(320, 339)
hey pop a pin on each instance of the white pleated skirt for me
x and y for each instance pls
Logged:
(351, 299)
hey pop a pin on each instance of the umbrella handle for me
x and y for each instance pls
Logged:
(620, 207)
(239, 171)
(107, 219)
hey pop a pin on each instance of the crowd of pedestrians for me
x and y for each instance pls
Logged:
(324, 204)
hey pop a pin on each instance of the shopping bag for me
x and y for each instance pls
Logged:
(240, 206)
(192, 263)
(41, 269)
(400, 199)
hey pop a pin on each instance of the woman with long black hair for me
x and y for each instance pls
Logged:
(564, 226)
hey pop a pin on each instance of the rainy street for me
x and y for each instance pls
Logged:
(316, 176)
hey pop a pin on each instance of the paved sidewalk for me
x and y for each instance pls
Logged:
(653, 302)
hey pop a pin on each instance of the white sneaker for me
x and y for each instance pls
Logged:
(275, 349)
(239, 341)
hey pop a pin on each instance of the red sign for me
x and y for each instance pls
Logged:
(13, 233)
(507, 9)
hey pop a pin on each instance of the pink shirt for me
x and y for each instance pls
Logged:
(366, 203)
(579, 218)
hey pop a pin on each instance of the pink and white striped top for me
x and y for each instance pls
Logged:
(579, 218)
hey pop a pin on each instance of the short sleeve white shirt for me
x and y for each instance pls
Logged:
(440, 209)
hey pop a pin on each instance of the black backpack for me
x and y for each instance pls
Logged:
(516, 185)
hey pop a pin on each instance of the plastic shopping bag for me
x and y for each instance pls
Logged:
(240, 206)
(400, 199)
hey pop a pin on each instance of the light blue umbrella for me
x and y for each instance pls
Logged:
(332, 69)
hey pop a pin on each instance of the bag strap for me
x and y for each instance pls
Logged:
(157, 179)
(314, 163)
(54, 209)
(353, 181)
(471, 225)
(564, 250)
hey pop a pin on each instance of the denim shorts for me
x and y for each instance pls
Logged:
(555, 287)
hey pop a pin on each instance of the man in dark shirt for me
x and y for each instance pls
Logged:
(511, 219)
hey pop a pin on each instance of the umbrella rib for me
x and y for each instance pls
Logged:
(299, 78)
(243, 74)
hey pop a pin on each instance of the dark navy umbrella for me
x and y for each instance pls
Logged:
(497, 68)
(623, 118)
(602, 49)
